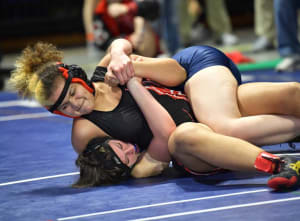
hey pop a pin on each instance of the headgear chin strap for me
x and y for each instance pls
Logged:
(72, 74)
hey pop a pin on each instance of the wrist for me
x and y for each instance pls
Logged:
(132, 83)
(121, 46)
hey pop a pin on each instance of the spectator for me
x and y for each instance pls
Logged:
(105, 20)
(264, 25)
(286, 18)
(217, 19)
(168, 25)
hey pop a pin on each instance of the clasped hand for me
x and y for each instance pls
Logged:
(120, 70)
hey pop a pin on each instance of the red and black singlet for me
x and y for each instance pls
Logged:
(127, 123)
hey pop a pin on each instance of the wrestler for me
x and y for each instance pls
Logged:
(193, 147)
(102, 110)
(65, 89)
(95, 105)
(261, 113)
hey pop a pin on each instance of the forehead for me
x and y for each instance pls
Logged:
(114, 144)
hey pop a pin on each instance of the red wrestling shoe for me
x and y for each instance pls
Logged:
(288, 176)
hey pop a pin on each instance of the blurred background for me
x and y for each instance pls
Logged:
(180, 23)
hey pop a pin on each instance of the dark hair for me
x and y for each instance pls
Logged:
(99, 165)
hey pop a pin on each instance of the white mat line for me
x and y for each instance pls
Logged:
(24, 103)
(160, 204)
(289, 154)
(217, 209)
(38, 178)
(26, 116)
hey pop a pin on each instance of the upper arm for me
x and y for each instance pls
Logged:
(82, 132)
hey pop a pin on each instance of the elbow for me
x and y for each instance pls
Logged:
(180, 75)
(168, 131)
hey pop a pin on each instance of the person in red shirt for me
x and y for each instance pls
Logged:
(106, 20)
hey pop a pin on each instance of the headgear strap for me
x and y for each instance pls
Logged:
(63, 94)
(106, 156)
(72, 74)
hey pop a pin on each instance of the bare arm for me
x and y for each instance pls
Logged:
(82, 132)
(158, 119)
(165, 71)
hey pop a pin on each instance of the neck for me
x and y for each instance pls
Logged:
(106, 96)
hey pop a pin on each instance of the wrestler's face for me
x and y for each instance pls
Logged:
(78, 100)
(127, 152)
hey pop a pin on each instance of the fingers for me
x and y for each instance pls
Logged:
(111, 79)
(123, 72)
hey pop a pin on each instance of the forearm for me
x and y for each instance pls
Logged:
(165, 71)
(158, 119)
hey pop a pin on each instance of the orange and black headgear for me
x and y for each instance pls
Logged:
(72, 74)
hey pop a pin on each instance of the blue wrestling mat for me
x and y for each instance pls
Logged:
(37, 170)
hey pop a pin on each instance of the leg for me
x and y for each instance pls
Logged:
(269, 98)
(217, 16)
(198, 148)
(214, 96)
(264, 19)
(287, 26)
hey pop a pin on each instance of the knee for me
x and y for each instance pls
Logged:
(291, 98)
(293, 89)
(187, 136)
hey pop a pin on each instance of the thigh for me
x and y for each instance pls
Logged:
(269, 98)
(192, 165)
(213, 95)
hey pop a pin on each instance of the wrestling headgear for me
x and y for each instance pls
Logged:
(100, 151)
(72, 74)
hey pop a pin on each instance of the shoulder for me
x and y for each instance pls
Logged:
(82, 132)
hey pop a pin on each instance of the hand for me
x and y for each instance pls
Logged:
(119, 70)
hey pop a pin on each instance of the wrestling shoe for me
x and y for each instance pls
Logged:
(288, 176)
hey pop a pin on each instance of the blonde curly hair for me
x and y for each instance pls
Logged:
(36, 72)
